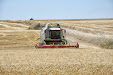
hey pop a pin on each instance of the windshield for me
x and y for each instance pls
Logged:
(55, 34)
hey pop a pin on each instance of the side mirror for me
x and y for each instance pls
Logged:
(45, 31)
(64, 31)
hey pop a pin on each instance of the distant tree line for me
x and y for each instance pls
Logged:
(31, 19)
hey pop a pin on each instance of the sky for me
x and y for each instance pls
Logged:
(55, 9)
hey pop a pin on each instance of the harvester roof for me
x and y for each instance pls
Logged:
(54, 28)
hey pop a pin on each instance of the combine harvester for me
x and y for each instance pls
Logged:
(52, 36)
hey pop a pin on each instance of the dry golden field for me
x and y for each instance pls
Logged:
(18, 55)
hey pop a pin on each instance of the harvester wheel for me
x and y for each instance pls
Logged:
(63, 43)
(41, 44)
(35, 46)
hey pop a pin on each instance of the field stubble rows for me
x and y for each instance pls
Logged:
(18, 55)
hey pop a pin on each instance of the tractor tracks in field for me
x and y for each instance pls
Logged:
(31, 41)
(72, 39)
(2, 34)
(13, 26)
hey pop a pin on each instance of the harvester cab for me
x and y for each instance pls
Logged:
(52, 35)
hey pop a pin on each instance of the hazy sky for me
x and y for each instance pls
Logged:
(55, 9)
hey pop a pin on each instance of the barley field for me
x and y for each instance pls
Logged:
(19, 57)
